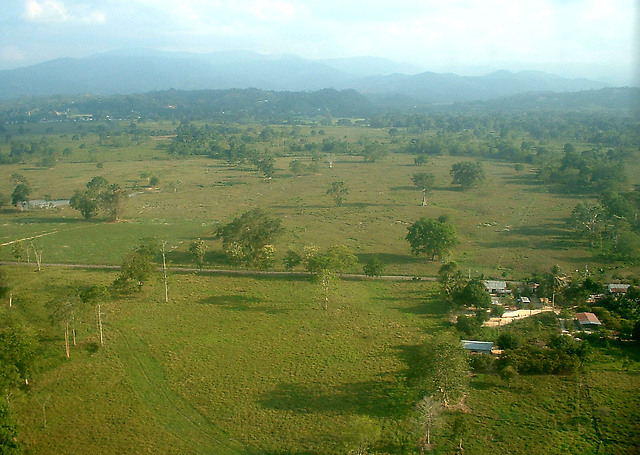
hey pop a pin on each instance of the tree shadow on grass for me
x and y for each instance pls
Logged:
(372, 398)
(541, 230)
(543, 236)
(241, 303)
(390, 258)
(56, 220)
(480, 383)
(362, 205)
(424, 305)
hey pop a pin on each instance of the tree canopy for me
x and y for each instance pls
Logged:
(98, 195)
(338, 191)
(424, 181)
(246, 236)
(137, 265)
(467, 174)
(20, 193)
(433, 237)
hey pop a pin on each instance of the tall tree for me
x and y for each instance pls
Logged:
(111, 201)
(467, 174)
(197, 248)
(423, 181)
(20, 194)
(450, 279)
(18, 350)
(589, 221)
(447, 366)
(96, 295)
(338, 192)
(474, 294)
(434, 237)
(98, 195)
(137, 266)
(246, 236)
(325, 267)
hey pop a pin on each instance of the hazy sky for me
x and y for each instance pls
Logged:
(589, 38)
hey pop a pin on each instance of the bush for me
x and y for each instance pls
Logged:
(374, 267)
(482, 363)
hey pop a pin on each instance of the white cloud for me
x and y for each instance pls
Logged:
(55, 11)
(435, 34)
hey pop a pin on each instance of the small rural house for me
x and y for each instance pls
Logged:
(588, 321)
(524, 300)
(497, 287)
(617, 288)
(478, 347)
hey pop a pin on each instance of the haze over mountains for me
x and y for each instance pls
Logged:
(139, 71)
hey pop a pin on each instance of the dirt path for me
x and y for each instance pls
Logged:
(41, 235)
(234, 272)
(171, 411)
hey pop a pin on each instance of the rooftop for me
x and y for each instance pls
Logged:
(587, 318)
(477, 345)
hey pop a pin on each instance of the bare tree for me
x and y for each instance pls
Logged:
(94, 295)
(43, 403)
(38, 255)
(429, 410)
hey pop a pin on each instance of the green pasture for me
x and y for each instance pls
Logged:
(227, 366)
(256, 366)
(510, 226)
(594, 411)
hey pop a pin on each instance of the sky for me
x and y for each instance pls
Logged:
(595, 39)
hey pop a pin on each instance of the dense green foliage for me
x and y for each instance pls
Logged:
(246, 237)
(467, 174)
(137, 266)
(434, 237)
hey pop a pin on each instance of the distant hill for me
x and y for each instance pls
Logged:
(435, 88)
(223, 105)
(613, 99)
(138, 71)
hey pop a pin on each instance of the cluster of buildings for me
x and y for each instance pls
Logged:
(585, 321)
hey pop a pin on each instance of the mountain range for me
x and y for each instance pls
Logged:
(138, 71)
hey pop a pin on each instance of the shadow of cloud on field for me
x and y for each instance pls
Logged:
(372, 398)
(241, 303)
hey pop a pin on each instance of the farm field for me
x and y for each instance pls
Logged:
(254, 365)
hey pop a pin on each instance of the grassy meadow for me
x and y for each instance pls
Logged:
(510, 226)
(253, 364)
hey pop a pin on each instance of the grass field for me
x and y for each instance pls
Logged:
(228, 366)
(254, 365)
(510, 226)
